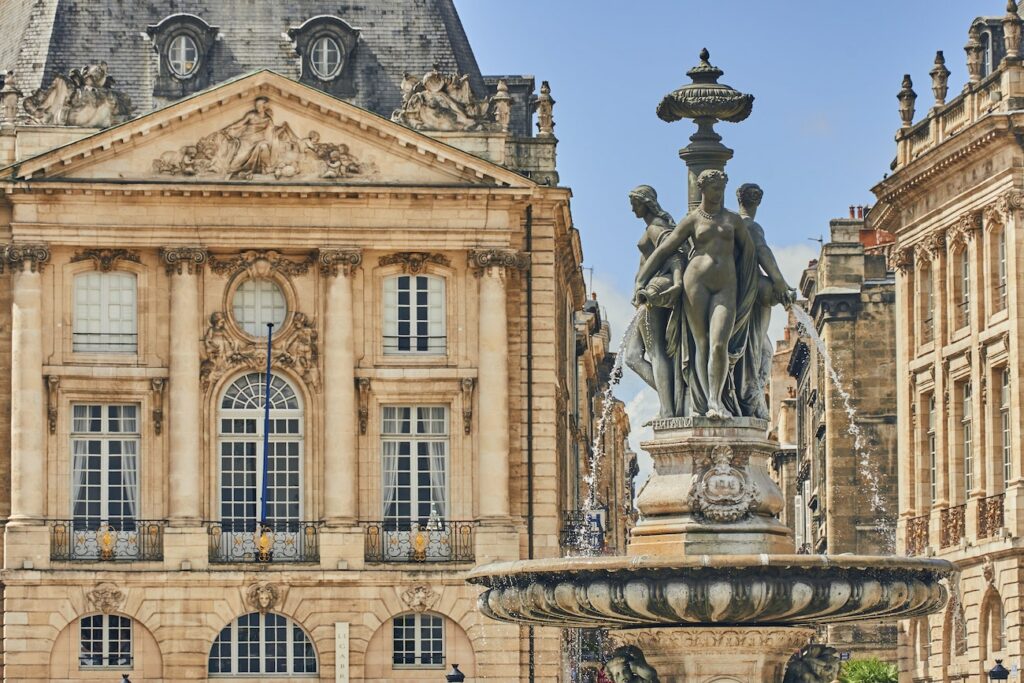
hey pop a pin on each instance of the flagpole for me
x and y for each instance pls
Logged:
(266, 431)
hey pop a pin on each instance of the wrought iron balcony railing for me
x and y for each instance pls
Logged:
(917, 535)
(114, 540)
(433, 540)
(279, 541)
(952, 526)
(990, 515)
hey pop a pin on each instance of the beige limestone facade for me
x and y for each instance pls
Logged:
(954, 203)
(423, 353)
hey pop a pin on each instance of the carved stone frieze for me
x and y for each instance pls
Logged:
(105, 597)
(260, 263)
(721, 490)
(157, 385)
(15, 256)
(296, 349)
(481, 259)
(182, 260)
(681, 639)
(84, 97)
(468, 387)
(413, 262)
(363, 384)
(335, 261)
(263, 597)
(420, 598)
(52, 391)
(106, 258)
(443, 102)
(256, 147)
(901, 259)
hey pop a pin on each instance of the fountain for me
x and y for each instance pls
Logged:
(710, 590)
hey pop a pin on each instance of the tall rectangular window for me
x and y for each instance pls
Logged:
(928, 316)
(1001, 270)
(1004, 425)
(965, 288)
(966, 407)
(105, 315)
(105, 464)
(932, 458)
(414, 445)
(414, 314)
(105, 641)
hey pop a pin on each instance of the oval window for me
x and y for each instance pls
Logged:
(182, 56)
(256, 303)
(325, 57)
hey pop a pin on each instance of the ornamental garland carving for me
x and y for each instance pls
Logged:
(721, 491)
(85, 97)
(334, 261)
(481, 259)
(445, 102)
(255, 147)
(106, 258)
(105, 598)
(413, 262)
(420, 598)
(184, 259)
(260, 264)
(16, 256)
(297, 350)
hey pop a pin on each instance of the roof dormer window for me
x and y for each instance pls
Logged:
(185, 44)
(325, 43)
(325, 57)
(182, 56)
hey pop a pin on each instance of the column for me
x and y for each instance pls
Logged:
(341, 462)
(28, 429)
(492, 472)
(184, 265)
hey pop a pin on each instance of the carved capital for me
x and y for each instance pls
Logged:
(363, 384)
(106, 258)
(16, 256)
(183, 260)
(901, 259)
(413, 262)
(52, 389)
(481, 259)
(343, 261)
(468, 386)
(260, 263)
(105, 598)
(157, 385)
(931, 246)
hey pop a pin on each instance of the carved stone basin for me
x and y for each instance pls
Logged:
(643, 591)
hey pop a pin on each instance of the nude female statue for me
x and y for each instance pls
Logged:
(719, 291)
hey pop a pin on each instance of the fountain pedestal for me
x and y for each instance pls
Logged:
(710, 493)
(717, 655)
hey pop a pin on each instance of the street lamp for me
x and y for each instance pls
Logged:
(455, 676)
(998, 672)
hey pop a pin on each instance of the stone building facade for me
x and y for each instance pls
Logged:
(954, 201)
(423, 278)
(842, 495)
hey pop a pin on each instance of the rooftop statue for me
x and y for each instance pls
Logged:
(443, 102)
(85, 97)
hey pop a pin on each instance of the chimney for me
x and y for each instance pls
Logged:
(851, 210)
(860, 212)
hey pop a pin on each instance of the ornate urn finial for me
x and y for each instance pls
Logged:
(1011, 32)
(907, 98)
(940, 79)
(974, 50)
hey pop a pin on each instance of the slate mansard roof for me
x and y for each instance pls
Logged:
(41, 38)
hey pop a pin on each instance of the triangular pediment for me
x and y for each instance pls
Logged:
(264, 128)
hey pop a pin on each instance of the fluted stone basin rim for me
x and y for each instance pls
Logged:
(641, 591)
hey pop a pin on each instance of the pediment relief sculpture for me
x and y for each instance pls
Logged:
(297, 349)
(256, 147)
(85, 97)
(445, 102)
(259, 263)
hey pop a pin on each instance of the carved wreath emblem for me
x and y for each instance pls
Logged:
(420, 598)
(721, 492)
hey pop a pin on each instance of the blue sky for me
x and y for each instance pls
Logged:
(825, 76)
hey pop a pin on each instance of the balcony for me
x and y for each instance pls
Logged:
(917, 535)
(434, 540)
(123, 540)
(952, 526)
(990, 516)
(280, 541)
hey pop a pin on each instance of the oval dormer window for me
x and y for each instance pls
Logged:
(182, 56)
(325, 57)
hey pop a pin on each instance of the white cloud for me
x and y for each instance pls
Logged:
(792, 260)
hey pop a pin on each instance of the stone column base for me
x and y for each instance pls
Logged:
(717, 655)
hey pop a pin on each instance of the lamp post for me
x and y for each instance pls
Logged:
(999, 672)
(455, 676)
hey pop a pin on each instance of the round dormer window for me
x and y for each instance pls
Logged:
(325, 57)
(257, 302)
(182, 56)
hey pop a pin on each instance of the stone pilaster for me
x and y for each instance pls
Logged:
(341, 462)
(28, 392)
(184, 266)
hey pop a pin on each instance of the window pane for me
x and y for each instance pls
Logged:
(105, 313)
(256, 303)
(414, 314)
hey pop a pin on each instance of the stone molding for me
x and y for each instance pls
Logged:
(482, 259)
(106, 598)
(183, 260)
(339, 261)
(16, 255)
(106, 258)
(421, 598)
(679, 639)
(413, 262)
(259, 263)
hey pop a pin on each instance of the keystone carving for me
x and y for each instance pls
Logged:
(334, 261)
(297, 350)
(444, 102)
(420, 598)
(184, 259)
(105, 598)
(256, 147)
(413, 262)
(106, 258)
(262, 597)
(721, 491)
(16, 256)
(260, 264)
(480, 260)
(85, 97)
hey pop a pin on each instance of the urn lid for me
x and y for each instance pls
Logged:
(705, 97)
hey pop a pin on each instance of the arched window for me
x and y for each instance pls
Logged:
(105, 316)
(417, 640)
(262, 644)
(927, 304)
(325, 57)
(105, 642)
(963, 288)
(932, 454)
(986, 53)
(182, 55)
(242, 476)
(999, 270)
(414, 314)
